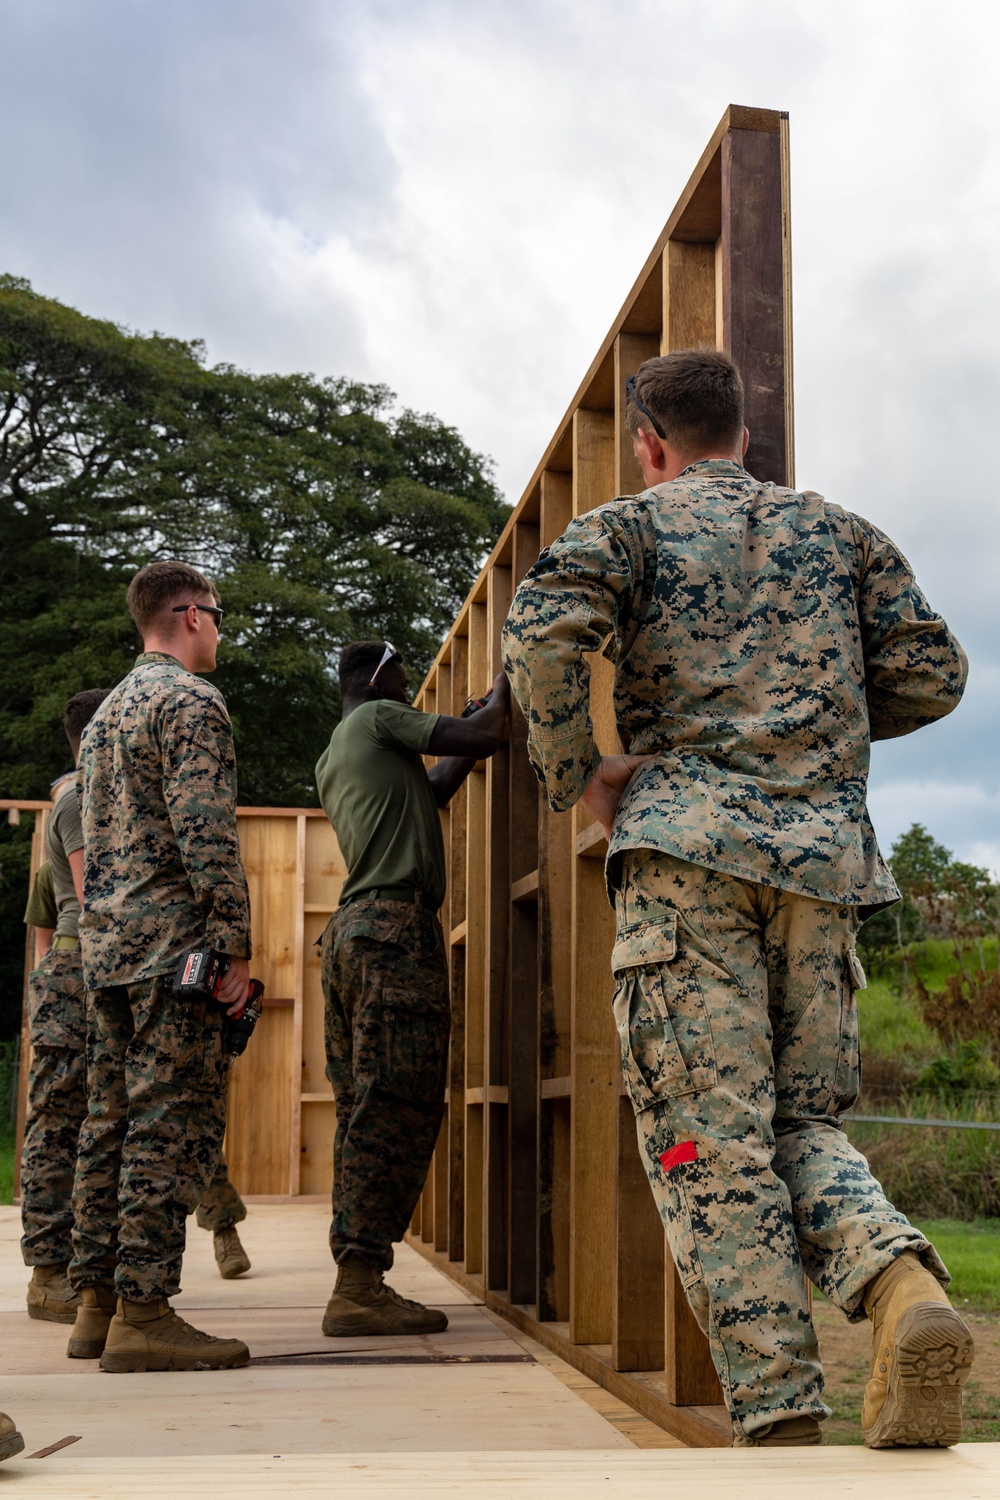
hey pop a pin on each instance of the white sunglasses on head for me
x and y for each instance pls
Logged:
(387, 655)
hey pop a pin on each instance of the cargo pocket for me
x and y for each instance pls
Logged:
(415, 1046)
(663, 1027)
(56, 1004)
(848, 1084)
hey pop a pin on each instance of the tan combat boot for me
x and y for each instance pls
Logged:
(792, 1432)
(230, 1256)
(363, 1305)
(50, 1295)
(921, 1356)
(93, 1318)
(11, 1441)
(150, 1336)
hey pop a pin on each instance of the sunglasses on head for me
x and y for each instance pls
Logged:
(632, 395)
(387, 655)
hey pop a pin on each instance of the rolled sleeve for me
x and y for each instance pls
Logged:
(199, 786)
(915, 669)
(567, 605)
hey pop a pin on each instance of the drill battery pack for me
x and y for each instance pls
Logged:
(199, 975)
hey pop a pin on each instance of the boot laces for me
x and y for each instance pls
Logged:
(394, 1297)
(178, 1331)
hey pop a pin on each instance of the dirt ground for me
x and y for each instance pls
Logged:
(846, 1353)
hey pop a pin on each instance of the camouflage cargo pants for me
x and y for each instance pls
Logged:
(157, 1076)
(735, 1007)
(385, 980)
(221, 1204)
(57, 1104)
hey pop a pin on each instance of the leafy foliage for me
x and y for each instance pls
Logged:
(322, 516)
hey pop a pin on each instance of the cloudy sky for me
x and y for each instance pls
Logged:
(454, 199)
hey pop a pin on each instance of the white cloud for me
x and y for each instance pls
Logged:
(455, 200)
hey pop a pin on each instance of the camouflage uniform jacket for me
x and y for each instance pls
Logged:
(162, 867)
(761, 639)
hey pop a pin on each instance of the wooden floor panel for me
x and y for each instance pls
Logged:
(511, 1419)
(755, 1474)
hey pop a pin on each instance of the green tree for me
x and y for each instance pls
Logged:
(322, 513)
(918, 862)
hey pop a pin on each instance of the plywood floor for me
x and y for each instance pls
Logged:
(478, 1411)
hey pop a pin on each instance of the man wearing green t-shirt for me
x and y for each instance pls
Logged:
(384, 967)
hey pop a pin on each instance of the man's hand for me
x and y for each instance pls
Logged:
(235, 985)
(605, 787)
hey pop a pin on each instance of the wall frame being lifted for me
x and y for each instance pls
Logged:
(536, 1199)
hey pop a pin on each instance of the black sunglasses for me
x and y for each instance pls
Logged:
(209, 609)
(632, 395)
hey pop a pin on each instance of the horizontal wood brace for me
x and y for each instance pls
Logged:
(459, 934)
(525, 889)
(279, 1002)
(318, 1099)
(322, 908)
(494, 1093)
(592, 843)
(557, 1088)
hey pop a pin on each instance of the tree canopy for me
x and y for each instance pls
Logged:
(322, 513)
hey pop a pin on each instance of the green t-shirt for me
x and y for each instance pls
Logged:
(41, 908)
(374, 789)
(64, 837)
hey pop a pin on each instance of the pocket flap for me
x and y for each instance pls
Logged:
(646, 943)
(368, 924)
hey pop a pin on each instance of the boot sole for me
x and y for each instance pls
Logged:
(931, 1361)
(11, 1444)
(85, 1348)
(46, 1316)
(134, 1364)
(346, 1328)
(231, 1273)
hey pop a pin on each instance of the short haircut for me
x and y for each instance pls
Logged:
(357, 663)
(696, 395)
(160, 585)
(79, 711)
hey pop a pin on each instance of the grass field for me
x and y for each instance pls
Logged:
(6, 1168)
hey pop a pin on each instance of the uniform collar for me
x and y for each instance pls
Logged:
(145, 658)
(726, 466)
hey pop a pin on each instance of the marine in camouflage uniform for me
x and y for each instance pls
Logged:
(761, 639)
(57, 1083)
(384, 970)
(162, 874)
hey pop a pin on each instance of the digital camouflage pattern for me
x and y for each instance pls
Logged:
(735, 1006)
(162, 866)
(385, 981)
(57, 1104)
(761, 638)
(157, 1074)
(221, 1205)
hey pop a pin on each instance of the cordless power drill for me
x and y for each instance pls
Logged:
(199, 975)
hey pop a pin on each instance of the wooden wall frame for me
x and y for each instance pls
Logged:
(537, 1200)
(279, 1136)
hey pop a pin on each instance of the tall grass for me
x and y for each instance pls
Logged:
(928, 1172)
